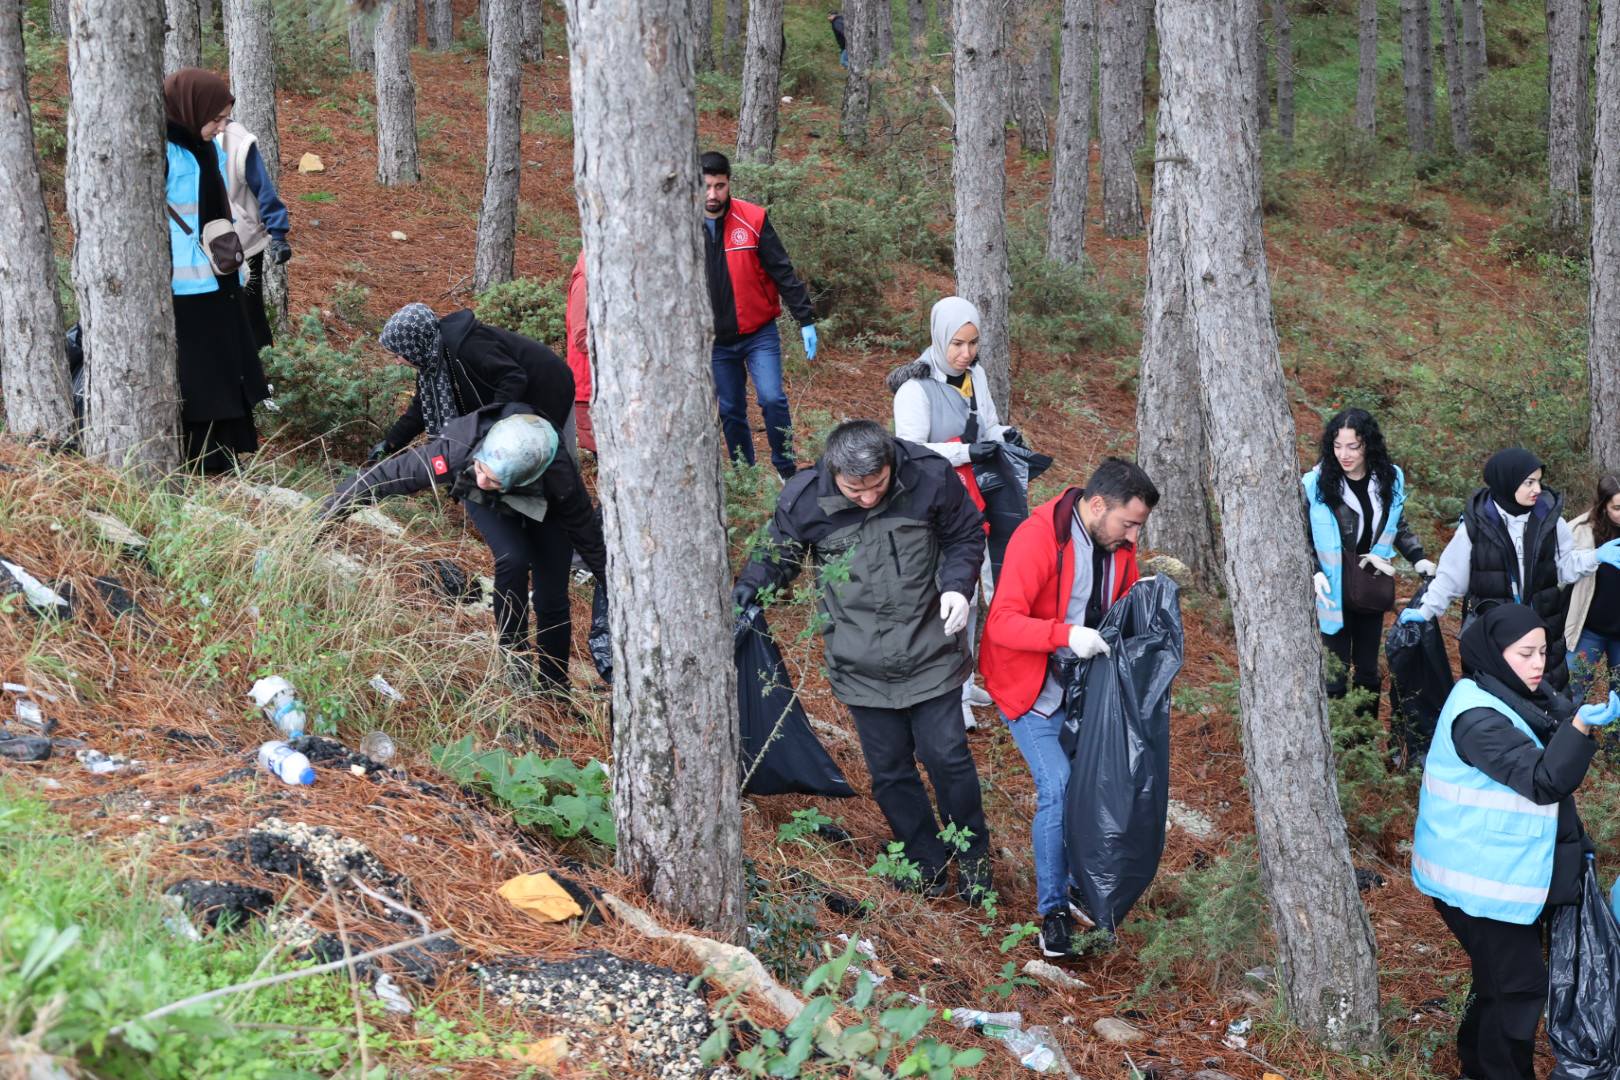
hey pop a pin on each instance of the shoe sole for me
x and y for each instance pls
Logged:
(1081, 917)
(1050, 955)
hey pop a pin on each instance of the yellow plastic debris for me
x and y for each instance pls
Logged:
(541, 897)
(547, 1053)
(311, 163)
(1271, 1076)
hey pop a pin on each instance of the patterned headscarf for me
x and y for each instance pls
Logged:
(412, 333)
(518, 450)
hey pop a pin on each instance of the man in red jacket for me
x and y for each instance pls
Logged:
(1065, 567)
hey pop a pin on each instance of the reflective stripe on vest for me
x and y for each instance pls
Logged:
(191, 273)
(1479, 845)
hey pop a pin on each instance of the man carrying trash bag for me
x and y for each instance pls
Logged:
(1065, 567)
(898, 546)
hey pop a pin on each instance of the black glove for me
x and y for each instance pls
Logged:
(982, 452)
(280, 250)
(743, 596)
(1013, 437)
(378, 452)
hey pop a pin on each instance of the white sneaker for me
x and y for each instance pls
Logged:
(977, 696)
(969, 721)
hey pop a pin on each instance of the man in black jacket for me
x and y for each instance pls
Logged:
(899, 544)
(523, 492)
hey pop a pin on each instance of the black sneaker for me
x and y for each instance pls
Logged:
(1057, 935)
(932, 885)
(973, 882)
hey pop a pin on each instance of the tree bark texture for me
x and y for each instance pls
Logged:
(33, 363)
(206, 11)
(1324, 941)
(1473, 31)
(1367, 68)
(253, 81)
(1566, 60)
(675, 792)
(761, 83)
(1122, 29)
(362, 35)
(883, 15)
(731, 40)
(1027, 52)
(703, 11)
(978, 169)
(121, 265)
(534, 37)
(917, 25)
(860, 30)
(1603, 357)
(1283, 38)
(1255, 12)
(182, 39)
(396, 99)
(59, 18)
(1417, 76)
(1456, 78)
(1071, 162)
(497, 220)
(441, 25)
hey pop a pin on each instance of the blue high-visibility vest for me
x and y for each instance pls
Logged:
(192, 273)
(1479, 845)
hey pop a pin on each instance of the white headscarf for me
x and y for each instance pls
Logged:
(948, 316)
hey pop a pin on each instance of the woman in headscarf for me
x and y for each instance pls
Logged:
(1497, 842)
(1592, 630)
(942, 400)
(1514, 547)
(220, 376)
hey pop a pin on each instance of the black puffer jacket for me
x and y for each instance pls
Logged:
(1494, 569)
(491, 366)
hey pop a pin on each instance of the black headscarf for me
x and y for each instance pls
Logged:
(1482, 645)
(1504, 473)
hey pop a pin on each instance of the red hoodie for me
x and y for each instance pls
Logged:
(1025, 625)
(579, 358)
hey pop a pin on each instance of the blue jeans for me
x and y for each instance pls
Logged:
(1037, 739)
(761, 352)
(1583, 662)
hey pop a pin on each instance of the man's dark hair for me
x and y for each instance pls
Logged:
(1119, 481)
(858, 448)
(714, 163)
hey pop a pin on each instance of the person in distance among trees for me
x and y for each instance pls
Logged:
(1592, 630)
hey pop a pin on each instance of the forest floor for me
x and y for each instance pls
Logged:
(1395, 295)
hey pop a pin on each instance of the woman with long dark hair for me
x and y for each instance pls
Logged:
(1355, 497)
(1592, 630)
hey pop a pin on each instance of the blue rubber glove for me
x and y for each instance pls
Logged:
(1601, 713)
(1411, 615)
(1609, 554)
(809, 335)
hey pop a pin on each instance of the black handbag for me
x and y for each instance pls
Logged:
(1367, 592)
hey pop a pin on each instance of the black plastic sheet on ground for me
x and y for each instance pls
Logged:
(1420, 681)
(794, 761)
(1583, 995)
(600, 640)
(1117, 732)
(1004, 484)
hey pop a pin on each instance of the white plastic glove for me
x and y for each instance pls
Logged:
(1086, 642)
(953, 608)
(1324, 591)
(1425, 567)
(1382, 566)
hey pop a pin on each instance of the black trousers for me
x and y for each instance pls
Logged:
(1356, 647)
(525, 549)
(894, 740)
(1497, 1037)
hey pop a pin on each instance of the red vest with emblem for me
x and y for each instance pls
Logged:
(751, 287)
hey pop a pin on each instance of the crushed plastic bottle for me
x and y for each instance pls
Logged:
(286, 764)
(378, 747)
(281, 706)
(1035, 1050)
(994, 1024)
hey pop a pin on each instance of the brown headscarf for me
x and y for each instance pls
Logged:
(192, 97)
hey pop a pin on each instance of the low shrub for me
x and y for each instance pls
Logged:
(323, 392)
(528, 306)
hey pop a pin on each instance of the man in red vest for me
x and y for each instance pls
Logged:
(749, 275)
(1065, 567)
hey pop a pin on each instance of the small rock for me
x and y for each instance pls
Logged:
(397, 235)
(1212, 1074)
(1114, 1030)
(311, 163)
(1184, 817)
(1052, 975)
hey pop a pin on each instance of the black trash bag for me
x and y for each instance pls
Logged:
(1420, 681)
(601, 639)
(74, 342)
(451, 581)
(795, 761)
(1004, 484)
(1583, 993)
(1119, 728)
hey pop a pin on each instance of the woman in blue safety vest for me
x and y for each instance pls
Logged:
(1498, 841)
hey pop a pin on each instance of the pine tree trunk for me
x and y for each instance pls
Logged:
(362, 36)
(978, 168)
(441, 25)
(1255, 11)
(1121, 62)
(1456, 80)
(860, 30)
(59, 18)
(33, 364)
(253, 81)
(1473, 28)
(121, 265)
(497, 221)
(1367, 68)
(675, 791)
(1566, 60)
(1071, 164)
(534, 38)
(731, 41)
(1325, 945)
(1026, 54)
(761, 83)
(1283, 31)
(917, 24)
(947, 24)
(206, 11)
(885, 31)
(1417, 76)
(1603, 356)
(396, 99)
(703, 41)
(182, 42)
(1585, 92)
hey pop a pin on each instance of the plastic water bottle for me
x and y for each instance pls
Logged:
(286, 764)
(1034, 1049)
(281, 706)
(997, 1025)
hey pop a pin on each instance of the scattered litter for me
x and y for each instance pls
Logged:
(178, 922)
(1264, 976)
(29, 713)
(787, 99)
(315, 853)
(1237, 1032)
(14, 688)
(1368, 879)
(330, 754)
(286, 764)
(222, 905)
(25, 748)
(541, 897)
(450, 580)
(1193, 822)
(397, 235)
(380, 684)
(1114, 1030)
(119, 600)
(311, 163)
(987, 1023)
(378, 747)
(390, 995)
(1034, 1047)
(547, 1053)
(832, 833)
(102, 764)
(116, 533)
(1053, 976)
(275, 696)
(40, 596)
